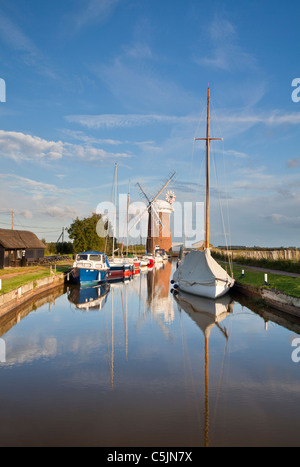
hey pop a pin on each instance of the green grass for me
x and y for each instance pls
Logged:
(287, 284)
(22, 279)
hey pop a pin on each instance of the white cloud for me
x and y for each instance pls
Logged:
(33, 186)
(127, 121)
(225, 53)
(93, 11)
(272, 118)
(60, 212)
(19, 146)
(280, 219)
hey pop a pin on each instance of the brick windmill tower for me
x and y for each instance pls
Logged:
(159, 212)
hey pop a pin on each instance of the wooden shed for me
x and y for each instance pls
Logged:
(18, 247)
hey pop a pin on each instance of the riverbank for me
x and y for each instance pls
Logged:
(280, 291)
(26, 292)
(22, 284)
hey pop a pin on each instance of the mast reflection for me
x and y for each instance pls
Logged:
(207, 314)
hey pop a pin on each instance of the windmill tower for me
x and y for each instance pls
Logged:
(159, 212)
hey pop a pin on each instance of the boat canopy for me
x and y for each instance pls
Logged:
(91, 253)
(198, 267)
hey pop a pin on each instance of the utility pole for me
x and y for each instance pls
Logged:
(12, 220)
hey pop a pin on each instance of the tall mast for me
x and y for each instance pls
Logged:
(208, 139)
(128, 201)
(115, 213)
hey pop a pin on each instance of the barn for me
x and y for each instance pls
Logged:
(19, 247)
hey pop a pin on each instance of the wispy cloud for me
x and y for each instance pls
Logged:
(60, 212)
(32, 186)
(17, 40)
(225, 53)
(286, 221)
(20, 147)
(125, 121)
(272, 118)
(93, 11)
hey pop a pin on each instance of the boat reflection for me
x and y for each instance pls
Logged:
(89, 298)
(207, 314)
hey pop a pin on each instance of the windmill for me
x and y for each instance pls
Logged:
(155, 217)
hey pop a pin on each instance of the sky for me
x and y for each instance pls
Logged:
(92, 83)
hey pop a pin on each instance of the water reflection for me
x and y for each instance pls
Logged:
(139, 366)
(12, 318)
(88, 298)
(206, 314)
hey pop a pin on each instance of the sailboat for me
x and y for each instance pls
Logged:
(198, 273)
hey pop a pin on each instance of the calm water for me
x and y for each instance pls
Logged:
(138, 367)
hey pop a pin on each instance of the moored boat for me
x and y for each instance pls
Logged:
(90, 267)
(198, 273)
(120, 267)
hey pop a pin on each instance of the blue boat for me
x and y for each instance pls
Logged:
(89, 298)
(90, 268)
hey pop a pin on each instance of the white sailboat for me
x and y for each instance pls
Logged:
(198, 273)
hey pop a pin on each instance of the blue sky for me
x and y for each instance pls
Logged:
(90, 83)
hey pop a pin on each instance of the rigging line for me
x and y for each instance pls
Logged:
(216, 121)
(228, 218)
(221, 213)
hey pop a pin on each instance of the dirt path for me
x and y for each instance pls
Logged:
(271, 271)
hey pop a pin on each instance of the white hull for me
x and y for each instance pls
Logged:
(208, 291)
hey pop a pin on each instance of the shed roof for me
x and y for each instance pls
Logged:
(19, 239)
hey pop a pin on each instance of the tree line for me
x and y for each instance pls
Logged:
(91, 233)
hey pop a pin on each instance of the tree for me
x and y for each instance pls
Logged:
(90, 233)
(64, 248)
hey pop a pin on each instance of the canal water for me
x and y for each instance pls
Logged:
(132, 365)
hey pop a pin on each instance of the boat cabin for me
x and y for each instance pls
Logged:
(90, 259)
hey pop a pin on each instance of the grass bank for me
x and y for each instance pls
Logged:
(289, 285)
(25, 275)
